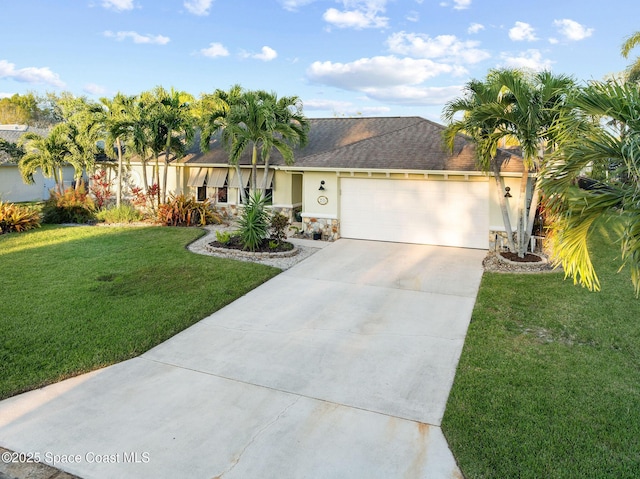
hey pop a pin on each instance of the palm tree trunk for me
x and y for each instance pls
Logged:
(503, 207)
(265, 177)
(165, 172)
(243, 200)
(119, 187)
(533, 209)
(522, 201)
(254, 168)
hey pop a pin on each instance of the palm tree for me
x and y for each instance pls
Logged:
(258, 119)
(50, 154)
(633, 71)
(212, 113)
(176, 123)
(525, 108)
(116, 122)
(586, 139)
(483, 130)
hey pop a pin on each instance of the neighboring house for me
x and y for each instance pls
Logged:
(388, 179)
(12, 187)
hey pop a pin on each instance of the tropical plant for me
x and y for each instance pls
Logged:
(278, 225)
(212, 112)
(74, 205)
(125, 213)
(17, 218)
(603, 126)
(181, 210)
(262, 121)
(511, 104)
(100, 187)
(253, 222)
(176, 122)
(633, 71)
(116, 120)
(50, 154)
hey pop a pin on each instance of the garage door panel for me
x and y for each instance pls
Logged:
(449, 213)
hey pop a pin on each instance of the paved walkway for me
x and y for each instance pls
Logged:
(340, 367)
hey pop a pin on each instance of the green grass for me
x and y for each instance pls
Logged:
(548, 384)
(73, 299)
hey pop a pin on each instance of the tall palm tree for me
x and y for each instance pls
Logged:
(50, 154)
(176, 122)
(258, 119)
(116, 122)
(483, 130)
(212, 114)
(525, 108)
(604, 125)
(633, 71)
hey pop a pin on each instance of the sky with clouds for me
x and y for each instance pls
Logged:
(341, 57)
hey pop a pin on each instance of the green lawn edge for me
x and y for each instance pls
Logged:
(548, 383)
(75, 299)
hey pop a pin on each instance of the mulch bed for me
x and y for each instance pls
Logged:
(265, 247)
(528, 258)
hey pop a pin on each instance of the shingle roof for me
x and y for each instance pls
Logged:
(389, 143)
(12, 134)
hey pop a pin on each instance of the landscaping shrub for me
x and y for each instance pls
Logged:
(254, 222)
(186, 211)
(125, 213)
(223, 237)
(72, 206)
(101, 189)
(17, 218)
(279, 224)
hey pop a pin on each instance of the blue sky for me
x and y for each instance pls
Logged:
(341, 57)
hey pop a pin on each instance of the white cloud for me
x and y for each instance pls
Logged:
(413, 16)
(94, 89)
(30, 74)
(531, 59)
(266, 54)
(457, 4)
(293, 5)
(118, 5)
(358, 14)
(461, 4)
(6, 95)
(446, 47)
(215, 50)
(378, 72)
(137, 38)
(522, 31)
(572, 30)
(475, 28)
(344, 108)
(414, 95)
(198, 7)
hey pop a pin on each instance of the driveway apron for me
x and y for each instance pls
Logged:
(339, 367)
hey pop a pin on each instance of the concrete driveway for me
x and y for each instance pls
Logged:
(340, 367)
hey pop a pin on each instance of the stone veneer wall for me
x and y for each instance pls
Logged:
(329, 228)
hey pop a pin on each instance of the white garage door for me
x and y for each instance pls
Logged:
(447, 213)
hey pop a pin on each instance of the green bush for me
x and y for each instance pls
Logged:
(223, 237)
(17, 218)
(125, 213)
(253, 222)
(279, 223)
(186, 211)
(72, 206)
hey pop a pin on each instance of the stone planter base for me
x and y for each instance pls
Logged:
(236, 253)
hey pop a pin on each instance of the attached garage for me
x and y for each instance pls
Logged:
(446, 213)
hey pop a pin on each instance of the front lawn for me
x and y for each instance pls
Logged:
(548, 384)
(74, 299)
